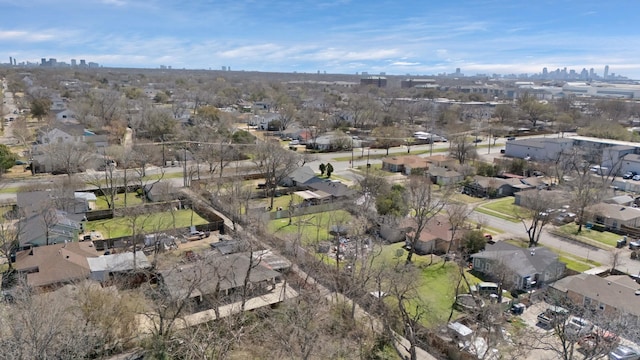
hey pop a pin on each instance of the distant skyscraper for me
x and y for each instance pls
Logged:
(606, 71)
(224, 68)
(545, 72)
(73, 62)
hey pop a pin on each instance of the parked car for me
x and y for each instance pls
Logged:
(629, 175)
(636, 177)
(624, 353)
(634, 245)
(577, 327)
(511, 138)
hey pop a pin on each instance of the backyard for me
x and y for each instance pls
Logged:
(132, 200)
(312, 228)
(436, 286)
(122, 226)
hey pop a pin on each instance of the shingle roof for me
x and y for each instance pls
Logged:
(523, 261)
(214, 273)
(613, 291)
(56, 263)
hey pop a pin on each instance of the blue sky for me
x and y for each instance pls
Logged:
(336, 36)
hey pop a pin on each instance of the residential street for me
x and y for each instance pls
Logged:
(517, 230)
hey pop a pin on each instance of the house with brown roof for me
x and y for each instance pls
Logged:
(611, 295)
(407, 164)
(435, 237)
(442, 161)
(55, 265)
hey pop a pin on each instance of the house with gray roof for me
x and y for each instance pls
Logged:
(104, 267)
(217, 276)
(611, 295)
(613, 216)
(336, 189)
(525, 268)
(301, 176)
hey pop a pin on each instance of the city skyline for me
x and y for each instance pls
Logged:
(341, 36)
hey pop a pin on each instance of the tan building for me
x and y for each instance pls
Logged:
(610, 296)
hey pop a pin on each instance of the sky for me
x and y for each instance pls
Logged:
(397, 37)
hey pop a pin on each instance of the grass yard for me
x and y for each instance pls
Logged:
(122, 226)
(465, 199)
(501, 208)
(313, 227)
(132, 200)
(435, 285)
(603, 237)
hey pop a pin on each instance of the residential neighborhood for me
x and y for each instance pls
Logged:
(291, 210)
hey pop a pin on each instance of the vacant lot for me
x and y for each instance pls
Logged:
(123, 226)
(312, 228)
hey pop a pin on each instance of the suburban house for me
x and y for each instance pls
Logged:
(611, 296)
(407, 164)
(614, 216)
(301, 176)
(333, 141)
(159, 192)
(42, 221)
(309, 197)
(444, 176)
(66, 116)
(520, 268)
(552, 198)
(436, 237)
(442, 161)
(336, 189)
(491, 187)
(108, 267)
(624, 200)
(218, 277)
(55, 265)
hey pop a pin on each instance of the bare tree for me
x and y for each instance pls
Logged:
(276, 163)
(10, 232)
(461, 148)
(535, 214)
(425, 204)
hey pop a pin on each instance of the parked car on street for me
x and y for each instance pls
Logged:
(636, 177)
(623, 352)
(629, 175)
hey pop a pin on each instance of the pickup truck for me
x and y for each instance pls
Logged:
(549, 317)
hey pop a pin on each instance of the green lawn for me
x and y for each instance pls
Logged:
(132, 200)
(574, 264)
(435, 285)
(122, 226)
(603, 237)
(502, 208)
(466, 199)
(313, 227)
